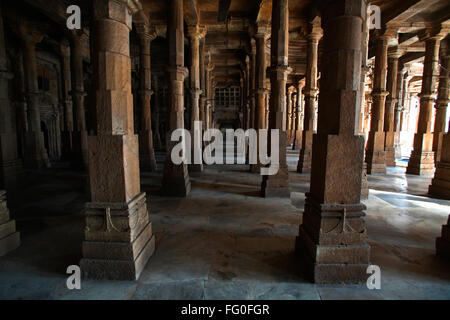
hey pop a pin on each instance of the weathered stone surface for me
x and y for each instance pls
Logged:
(118, 243)
(113, 167)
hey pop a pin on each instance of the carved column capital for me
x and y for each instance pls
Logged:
(196, 31)
(145, 31)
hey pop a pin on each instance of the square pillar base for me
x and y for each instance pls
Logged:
(375, 154)
(332, 243)
(118, 240)
(276, 186)
(443, 242)
(147, 159)
(304, 161)
(9, 238)
(440, 185)
(389, 149)
(297, 144)
(176, 182)
(421, 163)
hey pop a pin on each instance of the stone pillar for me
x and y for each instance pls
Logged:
(297, 143)
(195, 34)
(118, 239)
(398, 110)
(260, 76)
(310, 92)
(440, 185)
(442, 101)
(80, 134)
(67, 100)
(277, 185)
(247, 94)
(375, 154)
(290, 91)
(209, 95)
(389, 110)
(292, 118)
(422, 157)
(157, 108)
(202, 105)
(176, 177)
(443, 242)
(35, 152)
(332, 241)
(261, 36)
(10, 164)
(9, 238)
(253, 85)
(147, 159)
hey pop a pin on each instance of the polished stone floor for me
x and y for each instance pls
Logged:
(226, 242)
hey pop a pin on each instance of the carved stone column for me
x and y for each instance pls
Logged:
(332, 241)
(66, 135)
(157, 108)
(422, 157)
(398, 110)
(260, 76)
(290, 136)
(80, 134)
(10, 164)
(375, 154)
(261, 35)
(195, 34)
(277, 185)
(442, 101)
(289, 108)
(253, 84)
(310, 92)
(297, 143)
(246, 94)
(35, 152)
(147, 159)
(440, 185)
(202, 103)
(389, 110)
(176, 177)
(118, 239)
